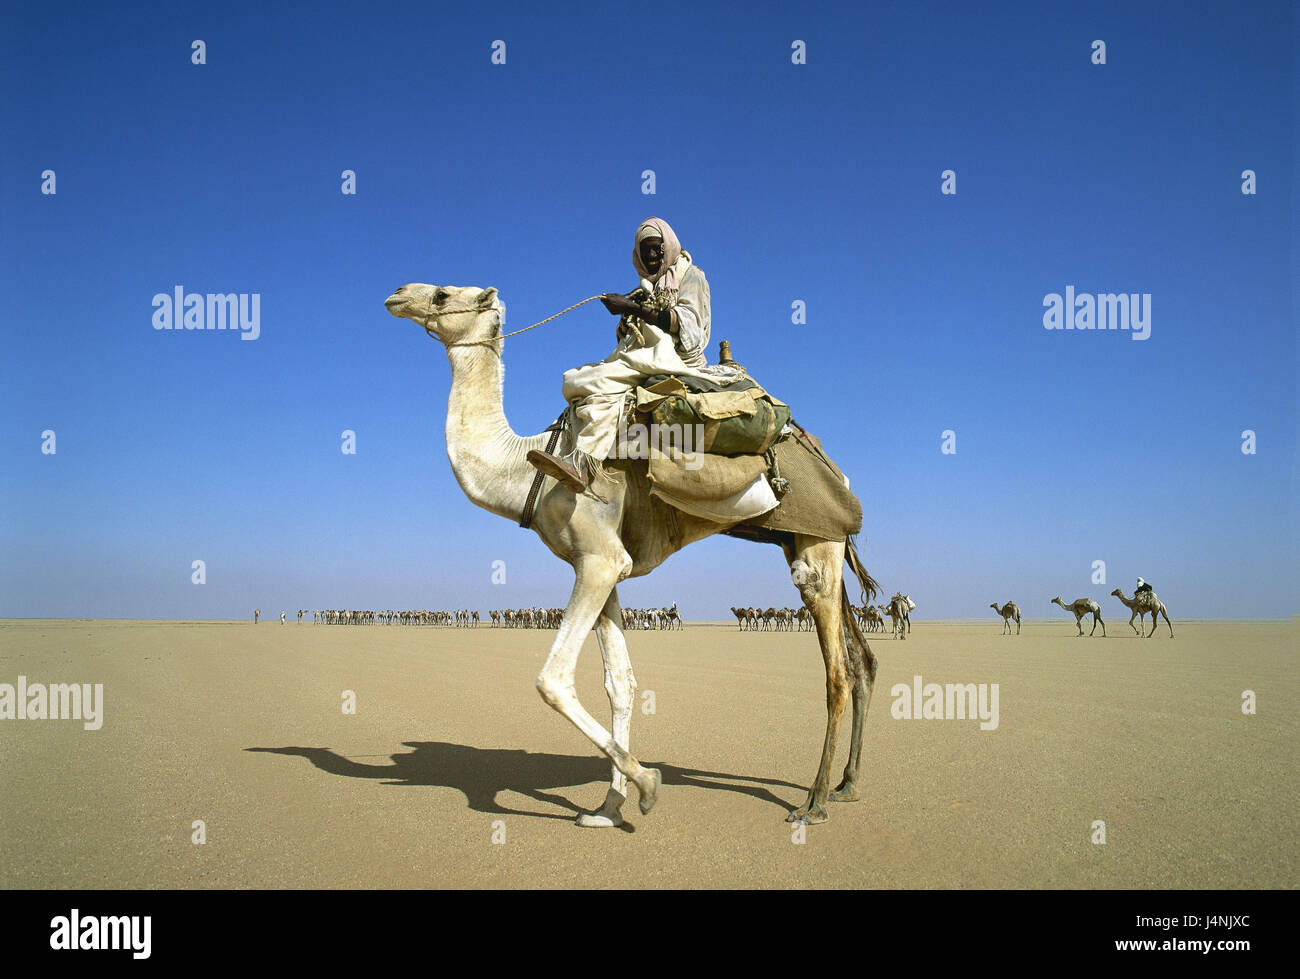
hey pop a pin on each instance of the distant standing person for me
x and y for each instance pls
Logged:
(281, 618)
(256, 613)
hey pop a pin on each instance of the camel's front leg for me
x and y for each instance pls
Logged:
(620, 684)
(596, 577)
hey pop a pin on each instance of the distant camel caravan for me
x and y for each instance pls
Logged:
(622, 532)
(1081, 607)
(754, 619)
(1140, 605)
(1010, 612)
(772, 619)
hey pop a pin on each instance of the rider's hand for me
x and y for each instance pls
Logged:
(618, 305)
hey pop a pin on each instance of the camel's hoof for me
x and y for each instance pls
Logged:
(807, 814)
(845, 792)
(648, 785)
(600, 820)
(608, 815)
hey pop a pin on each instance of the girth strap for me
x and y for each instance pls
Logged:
(556, 428)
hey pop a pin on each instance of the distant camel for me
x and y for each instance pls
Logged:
(1081, 607)
(740, 615)
(875, 623)
(1140, 608)
(1008, 612)
(897, 611)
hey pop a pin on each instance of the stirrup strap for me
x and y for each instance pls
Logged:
(556, 428)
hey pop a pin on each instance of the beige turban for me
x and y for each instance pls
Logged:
(658, 228)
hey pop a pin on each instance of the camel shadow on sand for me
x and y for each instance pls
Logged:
(481, 774)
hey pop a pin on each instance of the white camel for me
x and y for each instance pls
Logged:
(626, 534)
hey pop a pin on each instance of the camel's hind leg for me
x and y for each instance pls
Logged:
(620, 684)
(817, 567)
(1156, 622)
(596, 577)
(862, 674)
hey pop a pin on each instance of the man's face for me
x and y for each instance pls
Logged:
(652, 254)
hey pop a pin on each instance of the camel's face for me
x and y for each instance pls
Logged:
(446, 310)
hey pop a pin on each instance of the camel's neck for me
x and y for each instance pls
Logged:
(486, 456)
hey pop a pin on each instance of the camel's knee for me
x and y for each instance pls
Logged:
(555, 692)
(621, 687)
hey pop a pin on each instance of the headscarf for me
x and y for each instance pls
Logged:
(667, 278)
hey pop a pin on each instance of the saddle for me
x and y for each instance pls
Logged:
(760, 467)
(751, 465)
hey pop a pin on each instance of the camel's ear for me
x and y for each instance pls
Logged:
(487, 297)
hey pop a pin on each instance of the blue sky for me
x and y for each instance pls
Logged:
(817, 182)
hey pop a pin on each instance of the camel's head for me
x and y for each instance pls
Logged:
(454, 314)
(1056, 601)
(1117, 593)
(994, 606)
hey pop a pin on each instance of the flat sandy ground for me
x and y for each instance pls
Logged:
(241, 726)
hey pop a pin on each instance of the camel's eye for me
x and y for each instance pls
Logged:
(440, 296)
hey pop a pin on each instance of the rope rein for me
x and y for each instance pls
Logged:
(476, 309)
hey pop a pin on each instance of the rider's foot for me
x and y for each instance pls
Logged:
(557, 468)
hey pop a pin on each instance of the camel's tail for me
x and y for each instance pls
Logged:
(860, 654)
(870, 587)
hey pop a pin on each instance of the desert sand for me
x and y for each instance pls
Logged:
(454, 773)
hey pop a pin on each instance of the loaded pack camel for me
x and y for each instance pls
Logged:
(1081, 607)
(626, 534)
(899, 611)
(1009, 612)
(1140, 607)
